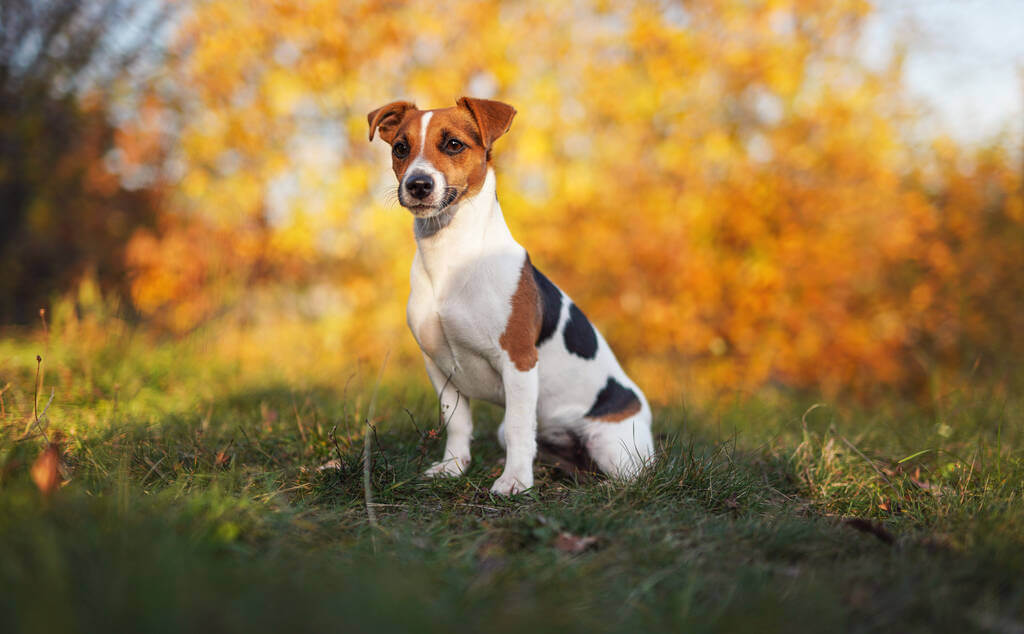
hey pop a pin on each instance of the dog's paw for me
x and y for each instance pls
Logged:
(509, 484)
(450, 468)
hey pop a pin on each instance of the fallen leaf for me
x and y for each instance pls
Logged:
(891, 506)
(46, 469)
(574, 544)
(924, 486)
(221, 459)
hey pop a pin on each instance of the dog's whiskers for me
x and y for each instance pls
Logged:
(392, 197)
(450, 194)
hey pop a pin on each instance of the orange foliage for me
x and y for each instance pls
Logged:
(721, 185)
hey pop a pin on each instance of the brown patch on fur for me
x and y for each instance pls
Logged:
(388, 118)
(520, 337)
(493, 118)
(623, 414)
(466, 170)
(408, 130)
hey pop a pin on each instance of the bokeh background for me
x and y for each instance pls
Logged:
(818, 195)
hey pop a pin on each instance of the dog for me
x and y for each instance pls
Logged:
(489, 324)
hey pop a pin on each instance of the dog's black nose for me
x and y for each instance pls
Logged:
(419, 186)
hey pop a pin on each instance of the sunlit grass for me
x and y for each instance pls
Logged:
(193, 501)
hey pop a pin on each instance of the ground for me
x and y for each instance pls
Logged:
(191, 500)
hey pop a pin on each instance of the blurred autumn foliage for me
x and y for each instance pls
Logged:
(63, 213)
(729, 192)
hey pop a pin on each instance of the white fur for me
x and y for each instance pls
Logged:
(463, 278)
(420, 165)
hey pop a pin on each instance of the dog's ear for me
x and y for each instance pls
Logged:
(493, 118)
(386, 118)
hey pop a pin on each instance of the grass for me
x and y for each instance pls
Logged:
(193, 502)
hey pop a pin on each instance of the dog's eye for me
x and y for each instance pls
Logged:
(453, 146)
(400, 149)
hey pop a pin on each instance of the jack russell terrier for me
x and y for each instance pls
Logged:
(490, 325)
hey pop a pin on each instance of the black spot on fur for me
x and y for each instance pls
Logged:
(551, 306)
(579, 335)
(612, 399)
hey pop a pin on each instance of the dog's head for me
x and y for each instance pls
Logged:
(440, 156)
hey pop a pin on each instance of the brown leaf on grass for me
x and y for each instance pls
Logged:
(892, 506)
(221, 459)
(46, 469)
(874, 528)
(574, 544)
(923, 485)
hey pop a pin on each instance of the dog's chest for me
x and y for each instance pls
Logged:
(457, 322)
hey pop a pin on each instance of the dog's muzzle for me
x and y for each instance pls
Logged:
(419, 186)
(421, 193)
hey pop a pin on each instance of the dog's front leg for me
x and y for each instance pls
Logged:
(457, 421)
(520, 426)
